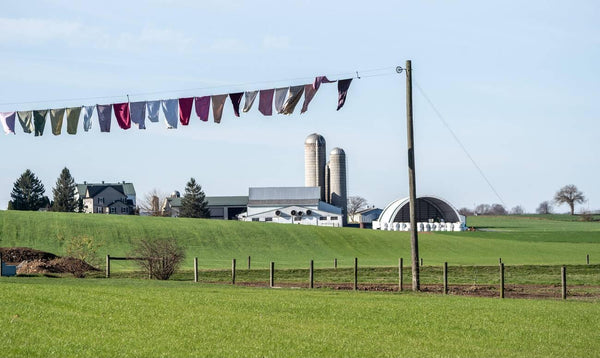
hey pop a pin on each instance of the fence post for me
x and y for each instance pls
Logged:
(107, 266)
(335, 263)
(445, 278)
(312, 274)
(195, 269)
(355, 273)
(499, 260)
(233, 271)
(587, 259)
(272, 275)
(421, 262)
(563, 274)
(0, 265)
(248, 262)
(400, 264)
(501, 280)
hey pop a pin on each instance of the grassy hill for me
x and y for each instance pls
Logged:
(518, 240)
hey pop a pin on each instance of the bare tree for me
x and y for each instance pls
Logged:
(161, 256)
(355, 204)
(517, 210)
(482, 209)
(498, 209)
(151, 202)
(569, 194)
(466, 212)
(545, 207)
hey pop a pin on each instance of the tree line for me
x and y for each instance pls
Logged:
(568, 194)
(28, 194)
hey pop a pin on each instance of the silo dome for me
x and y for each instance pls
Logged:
(315, 139)
(175, 194)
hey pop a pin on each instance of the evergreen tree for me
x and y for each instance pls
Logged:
(28, 193)
(64, 193)
(193, 203)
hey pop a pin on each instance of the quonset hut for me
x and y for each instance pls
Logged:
(433, 214)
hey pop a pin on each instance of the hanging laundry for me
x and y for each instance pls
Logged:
(8, 122)
(56, 120)
(280, 94)
(265, 103)
(88, 111)
(236, 99)
(73, 119)
(104, 116)
(26, 121)
(202, 105)
(122, 114)
(137, 113)
(218, 101)
(39, 122)
(343, 86)
(249, 98)
(311, 90)
(185, 110)
(292, 99)
(153, 107)
(170, 109)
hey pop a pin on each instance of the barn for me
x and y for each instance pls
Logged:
(433, 214)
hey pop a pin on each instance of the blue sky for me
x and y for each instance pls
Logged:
(517, 82)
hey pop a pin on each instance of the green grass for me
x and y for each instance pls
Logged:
(41, 317)
(519, 240)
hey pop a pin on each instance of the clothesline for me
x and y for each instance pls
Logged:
(284, 99)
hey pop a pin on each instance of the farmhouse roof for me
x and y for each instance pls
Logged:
(95, 188)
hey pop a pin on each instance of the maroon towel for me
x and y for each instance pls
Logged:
(122, 115)
(185, 110)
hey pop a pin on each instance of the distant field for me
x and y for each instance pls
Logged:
(518, 240)
(41, 317)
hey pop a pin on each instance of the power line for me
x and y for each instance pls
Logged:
(441, 118)
(355, 74)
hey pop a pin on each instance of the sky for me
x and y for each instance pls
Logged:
(506, 94)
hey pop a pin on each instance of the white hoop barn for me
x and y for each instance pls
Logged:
(433, 214)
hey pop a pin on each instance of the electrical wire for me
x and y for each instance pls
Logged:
(441, 118)
(246, 84)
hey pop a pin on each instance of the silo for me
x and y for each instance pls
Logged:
(337, 181)
(314, 162)
(327, 184)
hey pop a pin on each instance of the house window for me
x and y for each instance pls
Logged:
(333, 218)
(99, 210)
(255, 219)
(100, 200)
(323, 218)
(123, 210)
(268, 219)
(113, 210)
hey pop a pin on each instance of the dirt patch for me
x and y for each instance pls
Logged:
(16, 255)
(31, 261)
(510, 291)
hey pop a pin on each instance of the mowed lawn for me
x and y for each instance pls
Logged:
(550, 240)
(42, 317)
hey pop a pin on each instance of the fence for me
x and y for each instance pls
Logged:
(500, 281)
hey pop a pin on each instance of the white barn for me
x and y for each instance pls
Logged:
(291, 205)
(433, 214)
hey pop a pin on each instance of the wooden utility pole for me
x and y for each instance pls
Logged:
(414, 239)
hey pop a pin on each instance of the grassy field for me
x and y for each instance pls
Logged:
(551, 240)
(41, 317)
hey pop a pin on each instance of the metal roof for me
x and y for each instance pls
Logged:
(94, 188)
(301, 195)
(215, 201)
(426, 208)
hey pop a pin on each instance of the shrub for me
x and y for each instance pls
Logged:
(161, 257)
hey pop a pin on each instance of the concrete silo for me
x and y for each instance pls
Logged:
(314, 162)
(337, 181)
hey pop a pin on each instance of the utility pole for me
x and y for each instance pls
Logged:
(414, 240)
